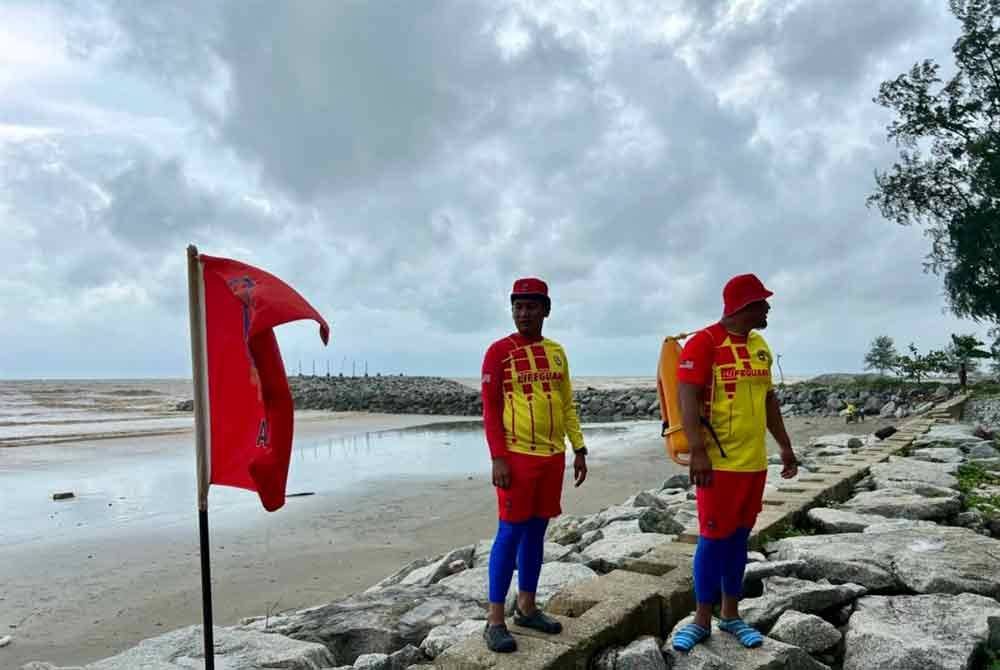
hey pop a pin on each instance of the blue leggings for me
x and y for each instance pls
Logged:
(522, 544)
(719, 566)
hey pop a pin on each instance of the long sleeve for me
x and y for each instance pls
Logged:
(493, 401)
(571, 421)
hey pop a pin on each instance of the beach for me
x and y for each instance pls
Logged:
(87, 578)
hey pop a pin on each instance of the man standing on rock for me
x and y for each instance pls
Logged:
(527, 414)
(727, 405)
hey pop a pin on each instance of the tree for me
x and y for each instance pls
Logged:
(948, 175)
(882, 356)
(963, 355)
(916, 366)
(995, 350)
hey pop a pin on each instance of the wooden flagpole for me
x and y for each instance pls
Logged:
(199, 369)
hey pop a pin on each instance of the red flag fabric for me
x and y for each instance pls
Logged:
(250, 404)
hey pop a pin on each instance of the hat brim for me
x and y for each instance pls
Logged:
(529, 296)
(763, 295)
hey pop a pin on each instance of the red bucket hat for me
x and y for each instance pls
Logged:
(742, 290)
(529, 287)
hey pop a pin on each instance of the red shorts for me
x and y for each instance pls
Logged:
(731, 502)
(535, 487)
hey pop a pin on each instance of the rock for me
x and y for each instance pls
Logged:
(900, 503)
(235, 649)
(923, 407)
(939, 455)
(873, 405)
(372, 662)
(723, 651)
(784, 593)
(888, 410)
(381, 621)
(972, 518)
(679, 481)
(756, 572)
(942, 392)
(618, 529)
(920, 632)
(938, 559)
(841, 521)
(5, 640)
(689, 519)
(440, 568)
(63, 495)
(898, 524)
(883, 433)
(405, 658)
(473, 584)
(610, 515)
(40, 665)
(843, 440)
(481, 555)
(839, 617)
(646, 499)
(957, 435)
(642, 654)
(592, 536)
(565, 529)
(806, 631)
(828, 452)
(609, 553)
(606, 659)
(984, 433)
(441, 637)
(755, 557)
(983, 451)
(654, 520)
(399, 575)
(900, 469)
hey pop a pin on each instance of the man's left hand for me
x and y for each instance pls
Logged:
(579, 469)
(790, 463)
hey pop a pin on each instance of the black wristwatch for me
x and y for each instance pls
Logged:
(582, 451)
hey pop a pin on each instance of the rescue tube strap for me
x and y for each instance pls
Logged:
(666, 430)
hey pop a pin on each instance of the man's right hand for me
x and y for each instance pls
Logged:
(501, 473)
(700, 468)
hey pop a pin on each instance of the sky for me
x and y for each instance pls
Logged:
(401, 163)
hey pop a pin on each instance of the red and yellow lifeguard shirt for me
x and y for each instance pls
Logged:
(736, 374)
(527, 398)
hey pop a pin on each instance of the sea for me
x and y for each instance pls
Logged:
(127, 456)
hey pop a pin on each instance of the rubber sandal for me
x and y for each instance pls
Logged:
(538, 621)
(689, 635)
(499, 639)
(748, 636)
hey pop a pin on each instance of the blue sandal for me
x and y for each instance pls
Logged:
(689, 635)
(748, 636)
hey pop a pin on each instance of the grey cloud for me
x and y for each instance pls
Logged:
(824, 46)
(332, 96)
(407, 169)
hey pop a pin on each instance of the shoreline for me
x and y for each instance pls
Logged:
(77, 600)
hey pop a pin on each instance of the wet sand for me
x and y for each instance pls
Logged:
(84, 596)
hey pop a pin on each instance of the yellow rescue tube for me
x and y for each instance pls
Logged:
(667, 387)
